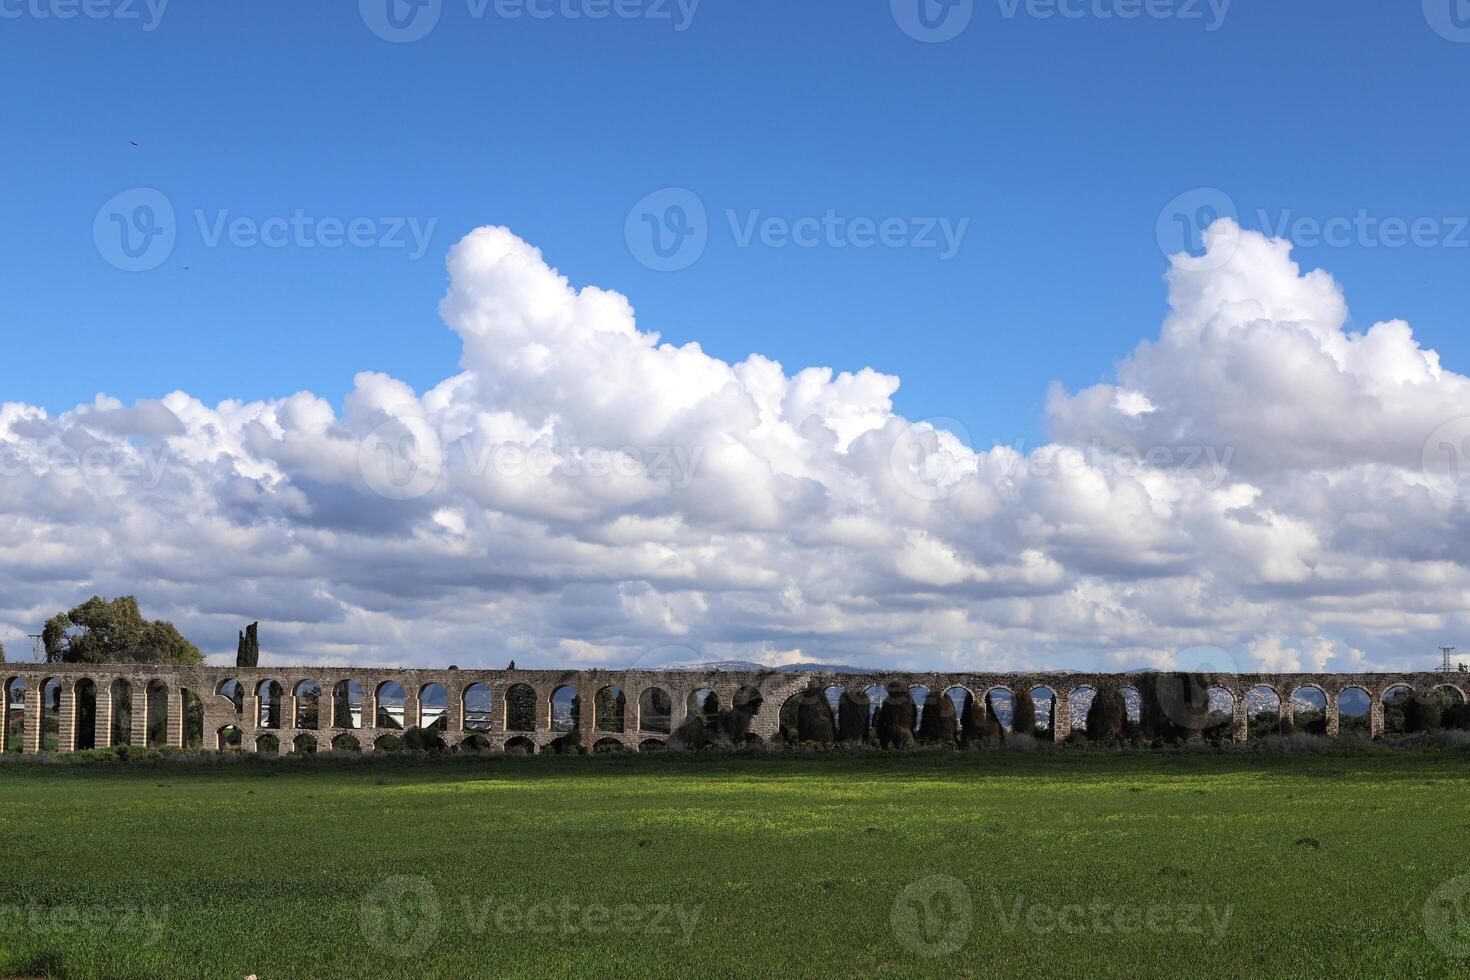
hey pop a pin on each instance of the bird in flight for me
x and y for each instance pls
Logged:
(134, 142)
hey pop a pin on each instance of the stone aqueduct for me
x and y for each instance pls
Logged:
(774, 688)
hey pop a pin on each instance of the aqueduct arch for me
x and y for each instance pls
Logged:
(512, 709)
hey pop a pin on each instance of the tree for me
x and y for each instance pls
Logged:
(2, 653)
(938, 723)
(814, 722)
(895, 720)
(1023, 717)
(1424, 713)
(1152, 722)
(612, 709)
(994, 730)
(247, 653)
(1107, 718)
(520, 708)
(974, 725)
(100, 631)
(852, 717)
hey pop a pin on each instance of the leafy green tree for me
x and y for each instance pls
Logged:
(520, 708)
(1423, 713)
(612, 709)
(100, 631)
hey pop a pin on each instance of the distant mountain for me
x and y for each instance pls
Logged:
(746, 666)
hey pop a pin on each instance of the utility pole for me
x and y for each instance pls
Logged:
(1446, 667)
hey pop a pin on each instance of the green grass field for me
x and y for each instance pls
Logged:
(1048, 864)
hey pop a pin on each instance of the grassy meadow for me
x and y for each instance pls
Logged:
(1045, 864)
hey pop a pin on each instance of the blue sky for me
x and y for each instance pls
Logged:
(1058, 139)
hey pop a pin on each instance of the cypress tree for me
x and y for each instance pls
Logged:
(994, 730)
(814, 721)
(1023, 716)
(895, 721)
(341, 706)
(852, 717)
(973, 724)
(247, 652)
(1152, 722)
(1107, 717)
(938, 724)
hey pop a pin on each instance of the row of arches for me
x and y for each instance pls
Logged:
(151, 717)
(148, 712)
(394, 710)
(855, 712)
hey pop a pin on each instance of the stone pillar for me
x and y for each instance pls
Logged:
(249, 714)
(1333, 719)
(455, 720)
(140, 714)
(102, 729)
(1288, 711)
(174, 738)
(679, 708)
(1375, 716)
(411, 706)
(326, 704)
(66, 734)
(587, 716)
(1061, 715)
(1240, 727)
(543, 709)
(497, 708)
(31, 739)
(368, 711)
(288, 717)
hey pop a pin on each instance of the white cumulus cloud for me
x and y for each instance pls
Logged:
(581, 493)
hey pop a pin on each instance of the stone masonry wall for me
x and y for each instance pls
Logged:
(774, 689)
